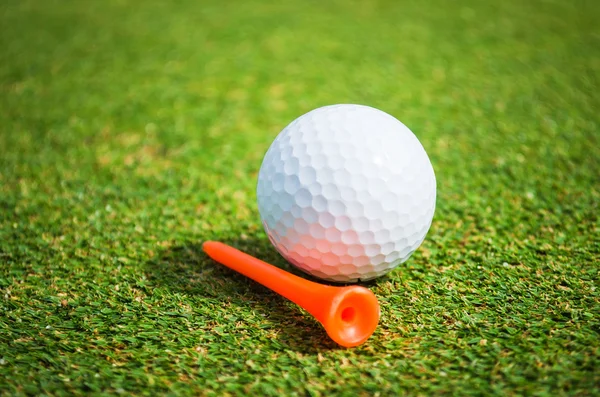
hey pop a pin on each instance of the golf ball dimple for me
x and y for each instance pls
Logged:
(346, 193)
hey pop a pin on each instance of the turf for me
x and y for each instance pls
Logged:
(131, 131)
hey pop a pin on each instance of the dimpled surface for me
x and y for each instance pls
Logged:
(346, 193)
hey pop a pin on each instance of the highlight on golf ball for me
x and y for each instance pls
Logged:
(346, 193)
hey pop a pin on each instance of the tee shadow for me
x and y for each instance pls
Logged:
(187, 269)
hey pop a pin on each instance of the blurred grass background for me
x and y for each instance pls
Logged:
(131, 131)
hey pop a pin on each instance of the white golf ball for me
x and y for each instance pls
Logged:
(346, 193)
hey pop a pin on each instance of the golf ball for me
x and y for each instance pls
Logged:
(346, 193)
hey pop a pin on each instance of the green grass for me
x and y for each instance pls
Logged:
(131, 131)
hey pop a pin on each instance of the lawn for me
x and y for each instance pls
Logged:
(132, 131)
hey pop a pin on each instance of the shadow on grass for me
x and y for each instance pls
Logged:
(187, 269)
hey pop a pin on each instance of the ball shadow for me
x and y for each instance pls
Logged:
(187, 269)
